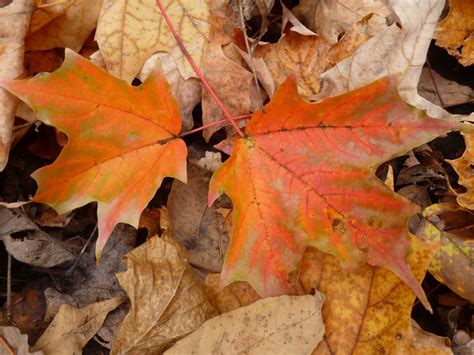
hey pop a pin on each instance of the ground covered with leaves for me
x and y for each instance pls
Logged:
(236, 176)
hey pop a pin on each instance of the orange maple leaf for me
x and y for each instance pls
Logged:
(119, 147)
(304, 175)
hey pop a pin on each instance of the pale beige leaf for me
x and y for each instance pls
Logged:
(275, 325)
(17, 342)
(187, 92)
(130, 31)
(72, 327)
(15, 19)
(391, 51)
(69, 30)
(167, 300)
(332, 18)
(425, 343)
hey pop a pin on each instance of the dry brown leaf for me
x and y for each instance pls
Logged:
(130, 31)
(393, 50)
(68, 30)
(15, 341)
(443, 92)
(275, 325)
(199, 228)
(72, 327)
(331, 18)
(452, 264)
(368, 311)
(425, 343)
(464, 167)
(167, 300)
(455, 32)
(233, 296)
(187, 92)
(15, 19)
(46, 11)
(233, 84)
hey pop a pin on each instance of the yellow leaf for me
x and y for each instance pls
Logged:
(464, 167)
(275, 325)
(130, 31)
(167, 300)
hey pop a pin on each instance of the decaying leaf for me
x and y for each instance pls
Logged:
(35, 247)
(452, 265)
(228, 298)
(120, 168)
(368, 311)
(275, 325)
(293, 184)
(455, 31)
(464, 167)
(72, 327)
(167, 300)
(15, 19)
(69, 28)
(130, 31)
(393, 50)
(17, 342)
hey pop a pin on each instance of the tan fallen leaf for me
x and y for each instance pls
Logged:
(365, 312)
(425, 343)
(332, 18)
(130, 31)
(465, 169)
(275, 325)
(443, 92)
(455, 31)
(393, 50)
(452, 264)
(187, 92)
(13, 28)
(167, 300)
(46, 11)
(13, 340)
(72, 327)
(233, 296)
(69, 29)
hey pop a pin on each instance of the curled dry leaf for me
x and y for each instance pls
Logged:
(35, 247)
(452, 264)
(46, 11)
(369, 309)
(464, 167)
(130, 31)
(455, 31)
(15, 341)
(275, 325)
(15, 19)
(72, 327)
(393, 50)
(167, 300)
(70, 25)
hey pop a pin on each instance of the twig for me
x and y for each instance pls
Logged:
(217, 123)
(250, 52)
(6, 346)
(434, 84)
(196, 69)
(71, 269)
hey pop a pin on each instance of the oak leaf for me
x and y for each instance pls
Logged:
(118, 150)
(130, 31)
(304, 175)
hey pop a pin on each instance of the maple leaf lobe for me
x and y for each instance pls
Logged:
(305, 175)
(116, 153)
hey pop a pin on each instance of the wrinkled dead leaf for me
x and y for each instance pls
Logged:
(455, 31)
(366, 310)
(46, 11)
(464, 167)
(129, 32)
(35, 247)
(73, 327)
(274, 325)
(16, 342)
(14, 23)
(235, 295)
(425, 343)
(54, 301)
(68, 29)
(167, 300)
(452, 264)
(200, 229)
